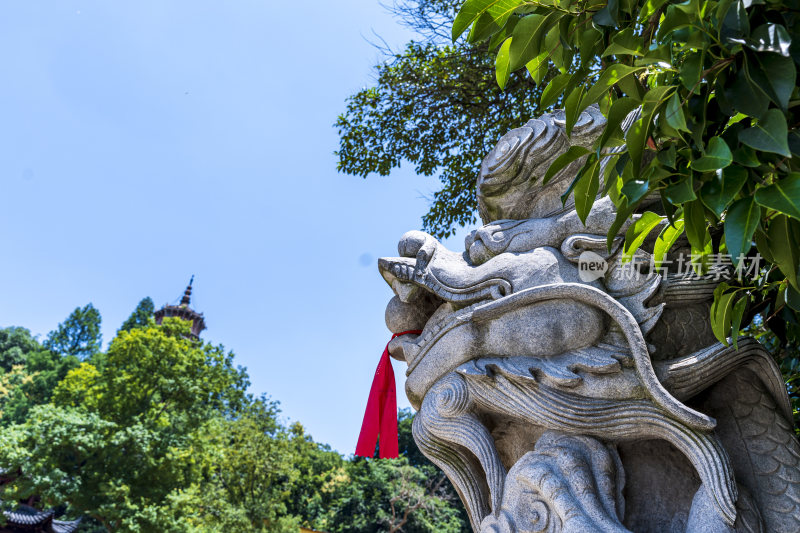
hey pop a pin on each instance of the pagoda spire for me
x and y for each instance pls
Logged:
(187, 294)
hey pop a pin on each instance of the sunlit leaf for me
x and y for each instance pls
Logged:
(502, 64)
(768, 37)
(638, 232)
(721, 313)
(574, 153)
(624, 43)
(586, 190)
(571, 109)
(554, 89)
(665, 240)
(613, 74)
(783, 195)
(528, 36)
(500, 10)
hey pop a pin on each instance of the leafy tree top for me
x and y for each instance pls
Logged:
(14, 344)
(437, 107)
(141, 316)
(78, 335)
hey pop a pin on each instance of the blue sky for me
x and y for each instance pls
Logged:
(143, 142)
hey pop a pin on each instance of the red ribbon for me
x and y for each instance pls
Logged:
(380, 417)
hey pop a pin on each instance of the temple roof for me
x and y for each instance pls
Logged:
(31, 520)
(28, 519)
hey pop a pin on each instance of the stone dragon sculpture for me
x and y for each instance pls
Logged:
(560, 403)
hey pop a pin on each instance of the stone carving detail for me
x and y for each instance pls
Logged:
(567, 482)
(557, 401)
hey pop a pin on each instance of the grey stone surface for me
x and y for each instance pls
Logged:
(559, 397)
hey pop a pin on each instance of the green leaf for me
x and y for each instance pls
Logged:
(783, 246)
(590, 42)
(649, 8)
(638, 232)
(639, 132)
(776, 76)
(554, 45)
(623, 212)
(736, 319)
(767, 38)
(608, 16)
(746, 97)
(628, 6)
(794, 143)
(483, 28)
(762, 244)
(740, 224)
(611, 75)
(667, 156)
(620, 109)
(735, 24)
(538, 67)
(624, 43)
(655, 97)
(746, 156)
(695, 226)
(720, 190)
(769, 134)
(502, 64)
(674, 113)
(472, 9)
(674, 19)
(630, 86)
(498, 38)
(717, 156)
(586, 190)
(554, 89)
(571, 109)
(574, 153)
(690, 7)
(635, 189)
(721, 313)
(666, 239)
(528, 36)
(656, 55)
(783, 196)
(680, 192)
(780, 75)
(691, 71)
(792, 298)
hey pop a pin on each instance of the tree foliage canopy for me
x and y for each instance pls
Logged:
(141, 316)
(716, 149)
(158, 433)
(79, 335)
(437, 107)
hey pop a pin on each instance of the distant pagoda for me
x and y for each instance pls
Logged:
(183, 311)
